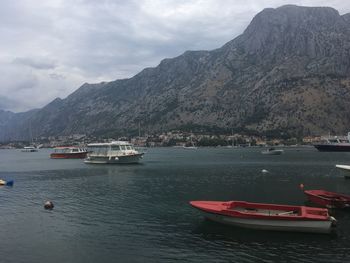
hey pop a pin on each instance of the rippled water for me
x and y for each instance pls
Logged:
(140, 213)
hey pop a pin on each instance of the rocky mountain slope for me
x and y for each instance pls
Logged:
(288, 73)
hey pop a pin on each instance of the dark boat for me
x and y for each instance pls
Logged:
(273, 151)
(328, 199)
(335, 144)
(69, 152)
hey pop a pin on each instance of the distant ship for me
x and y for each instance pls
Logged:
(334, 144)
(29, 149)
(273, 151)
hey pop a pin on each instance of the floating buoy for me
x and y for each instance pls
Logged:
(48, 205)
(264, 171)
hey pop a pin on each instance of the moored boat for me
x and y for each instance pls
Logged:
(267, 216)
(328, 199)
(190, 147)
(29, 149)
(344, 168)
(334, 144)
(115, 152)
(7, 183)
(69, 152)
(273, 151)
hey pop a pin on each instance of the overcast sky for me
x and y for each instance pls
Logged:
(50, 48)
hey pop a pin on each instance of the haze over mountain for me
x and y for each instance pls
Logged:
(288, 73)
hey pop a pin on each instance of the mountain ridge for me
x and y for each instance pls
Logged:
(288, 72)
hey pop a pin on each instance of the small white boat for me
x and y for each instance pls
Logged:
(115, 152)
(344, 168)
(190, 147)
(29, 149)
(273, 151)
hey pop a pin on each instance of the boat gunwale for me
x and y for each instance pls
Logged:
(328, 201)
(305, 212)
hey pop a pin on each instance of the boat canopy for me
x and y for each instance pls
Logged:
(69, 149)
(113, 143)
(115, 146)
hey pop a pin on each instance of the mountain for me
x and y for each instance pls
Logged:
(288, 73)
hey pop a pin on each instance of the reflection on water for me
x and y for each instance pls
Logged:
(140, 213)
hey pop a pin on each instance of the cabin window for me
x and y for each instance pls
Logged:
(115, 148)
(99, 150)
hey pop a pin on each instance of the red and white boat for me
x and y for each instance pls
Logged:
(267, 216)
(69, 152)
(328, 199)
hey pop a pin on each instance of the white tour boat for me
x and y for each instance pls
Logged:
(115, 152)
(29, 149)
(273, 151)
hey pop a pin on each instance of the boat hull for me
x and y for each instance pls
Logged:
(306, 226)
(328, 199)
(332, 147)
(123, 159)
(345, 169)
(267, 216)
(190, 147)
(80, 155)
(29, 150)
(274, 152)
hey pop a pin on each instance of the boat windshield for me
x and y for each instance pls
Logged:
(126, 148)
(104, 149)
(115, 148)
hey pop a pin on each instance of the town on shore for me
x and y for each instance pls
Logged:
(167, 139)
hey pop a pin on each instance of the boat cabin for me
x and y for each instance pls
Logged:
(69, 149)
(115, 147)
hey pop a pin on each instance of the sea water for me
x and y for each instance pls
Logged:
(141, 213)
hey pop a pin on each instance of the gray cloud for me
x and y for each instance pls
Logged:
(56, 76)
(37, 63)
(49, 48)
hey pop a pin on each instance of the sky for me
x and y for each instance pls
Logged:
(48, 49)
